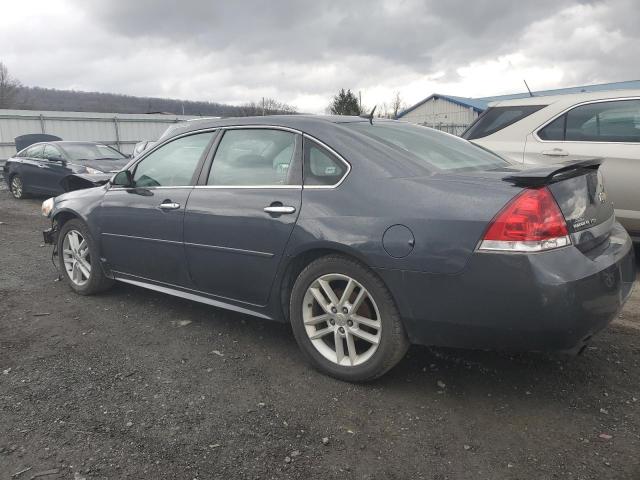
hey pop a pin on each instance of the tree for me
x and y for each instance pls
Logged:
(397, 105)
(267, 106)
(345, 103)
(9, 87)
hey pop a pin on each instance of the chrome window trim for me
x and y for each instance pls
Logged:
(334, 153)
(263, 127)
(256, 187)
(146, 153)
(172, 187)
(568, 109)
(237, 127)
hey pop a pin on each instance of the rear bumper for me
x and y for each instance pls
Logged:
(554, 300)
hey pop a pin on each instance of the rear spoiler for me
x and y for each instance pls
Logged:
(544, 175)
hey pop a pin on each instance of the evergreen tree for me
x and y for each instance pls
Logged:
(344, 103)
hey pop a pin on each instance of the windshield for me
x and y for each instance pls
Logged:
(91, 151)
(437, 149)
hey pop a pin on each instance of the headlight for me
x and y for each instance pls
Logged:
(93, 171)
(47, 206)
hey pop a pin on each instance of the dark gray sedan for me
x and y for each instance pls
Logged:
(365, 236)
(44, 168)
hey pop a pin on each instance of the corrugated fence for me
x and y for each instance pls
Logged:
(121, 131)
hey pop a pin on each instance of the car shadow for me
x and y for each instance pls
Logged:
(426, 371)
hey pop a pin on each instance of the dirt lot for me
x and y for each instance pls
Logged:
(134, 384)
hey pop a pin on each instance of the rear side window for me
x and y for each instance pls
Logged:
(497, 118)
(431, 147)
(321, 167)
(254, 157)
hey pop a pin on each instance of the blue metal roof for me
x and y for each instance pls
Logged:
(480, 104)
(475, 103)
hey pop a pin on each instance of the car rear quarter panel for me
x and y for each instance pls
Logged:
(447, 219)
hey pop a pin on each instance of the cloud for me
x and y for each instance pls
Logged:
(302, 52)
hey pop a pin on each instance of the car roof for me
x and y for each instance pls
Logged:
(569, 99)
(304, 123)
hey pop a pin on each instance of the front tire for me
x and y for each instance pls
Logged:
(79, 260)
(345, 320)
(16, 185)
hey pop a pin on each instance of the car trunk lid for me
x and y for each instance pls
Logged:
(578, 188)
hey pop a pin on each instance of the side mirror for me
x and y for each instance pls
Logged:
(122, 179)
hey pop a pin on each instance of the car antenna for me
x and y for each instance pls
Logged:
(369, 116)
(525, 84)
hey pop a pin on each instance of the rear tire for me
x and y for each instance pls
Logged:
(345, 320)
(79, 259)
(16, 185)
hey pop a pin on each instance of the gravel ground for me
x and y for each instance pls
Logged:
(135, 384)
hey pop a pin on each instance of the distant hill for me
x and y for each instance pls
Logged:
(37, 98)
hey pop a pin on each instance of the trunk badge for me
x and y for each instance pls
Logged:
(602, 196)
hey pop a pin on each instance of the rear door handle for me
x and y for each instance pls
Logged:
(279, 209)
(41, 165)
(556, 152)
(169, 205)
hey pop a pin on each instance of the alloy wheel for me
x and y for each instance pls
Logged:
(16, 186)
(341, 319)
(76, 258)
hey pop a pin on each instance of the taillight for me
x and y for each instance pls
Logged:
(530, 222)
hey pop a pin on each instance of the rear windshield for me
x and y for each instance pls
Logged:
(436, 149)
(497, 118)
(91, 151)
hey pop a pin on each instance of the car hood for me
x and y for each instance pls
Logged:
(104, 165)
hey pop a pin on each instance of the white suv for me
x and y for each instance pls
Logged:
(553, 129)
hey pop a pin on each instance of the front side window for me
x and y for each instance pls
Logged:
(497, 118)
(173, 164)
(555, 130)
(254, 157)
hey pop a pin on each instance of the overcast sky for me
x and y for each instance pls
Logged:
(302, 52)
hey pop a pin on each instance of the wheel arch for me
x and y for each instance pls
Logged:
(63, 216)
(301, 258)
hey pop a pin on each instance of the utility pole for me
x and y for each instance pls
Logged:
(360, 100)
(263, 106)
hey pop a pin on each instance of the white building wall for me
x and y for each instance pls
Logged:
(442, 114)
(121, 131)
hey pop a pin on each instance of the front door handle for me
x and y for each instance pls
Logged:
(279, 209)
(169, 205)
(556, 152)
